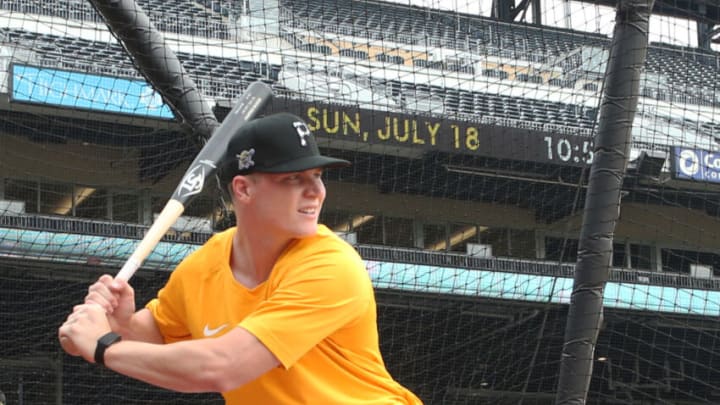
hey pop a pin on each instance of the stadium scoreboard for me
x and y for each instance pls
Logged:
(436, 133)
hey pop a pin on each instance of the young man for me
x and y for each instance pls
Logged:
(277, 310)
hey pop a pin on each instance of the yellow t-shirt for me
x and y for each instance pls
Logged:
(316, 313)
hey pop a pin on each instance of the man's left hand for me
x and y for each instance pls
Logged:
(82, 329)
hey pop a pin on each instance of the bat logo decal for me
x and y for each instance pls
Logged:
(193, 182)
(245, 160)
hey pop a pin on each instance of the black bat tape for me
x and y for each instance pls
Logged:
(249, 110)
(258, 93)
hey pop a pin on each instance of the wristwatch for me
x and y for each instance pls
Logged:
(103, 343)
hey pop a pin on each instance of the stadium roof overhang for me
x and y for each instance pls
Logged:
(707, 11)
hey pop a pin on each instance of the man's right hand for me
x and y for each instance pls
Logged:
(117, 298)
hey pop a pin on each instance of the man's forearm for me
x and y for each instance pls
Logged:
(204, 365)
(142, 327)
(183, 366)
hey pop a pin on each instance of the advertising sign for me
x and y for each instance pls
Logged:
(695, 164)
(64, 88)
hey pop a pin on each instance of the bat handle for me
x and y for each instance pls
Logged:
(170, 213)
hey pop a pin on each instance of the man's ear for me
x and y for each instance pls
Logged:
(240, 187)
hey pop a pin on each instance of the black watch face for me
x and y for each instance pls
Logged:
(110, 338)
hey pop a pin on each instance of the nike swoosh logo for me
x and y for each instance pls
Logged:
(207, 332)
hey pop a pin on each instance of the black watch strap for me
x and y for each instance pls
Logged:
(103, 343)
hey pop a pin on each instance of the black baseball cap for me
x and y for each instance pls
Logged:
(278, 143)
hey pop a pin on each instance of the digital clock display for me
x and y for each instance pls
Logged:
(569, 150)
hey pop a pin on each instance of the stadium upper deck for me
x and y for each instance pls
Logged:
(223, 78)
(397, 24)
(182, 16)
(463, 66)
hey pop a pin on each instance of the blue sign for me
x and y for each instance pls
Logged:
(695, 164)
(87, 91)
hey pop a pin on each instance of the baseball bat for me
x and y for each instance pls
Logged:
(252, 101)
(129, 23)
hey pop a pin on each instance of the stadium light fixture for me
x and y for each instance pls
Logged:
(650, 163)
(458, 237)
(68, 203)
(354, 223)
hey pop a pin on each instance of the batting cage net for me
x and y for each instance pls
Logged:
(534, 186)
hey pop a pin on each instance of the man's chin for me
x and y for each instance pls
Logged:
(307, 232)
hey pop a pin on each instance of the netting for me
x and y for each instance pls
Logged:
(472, 130)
